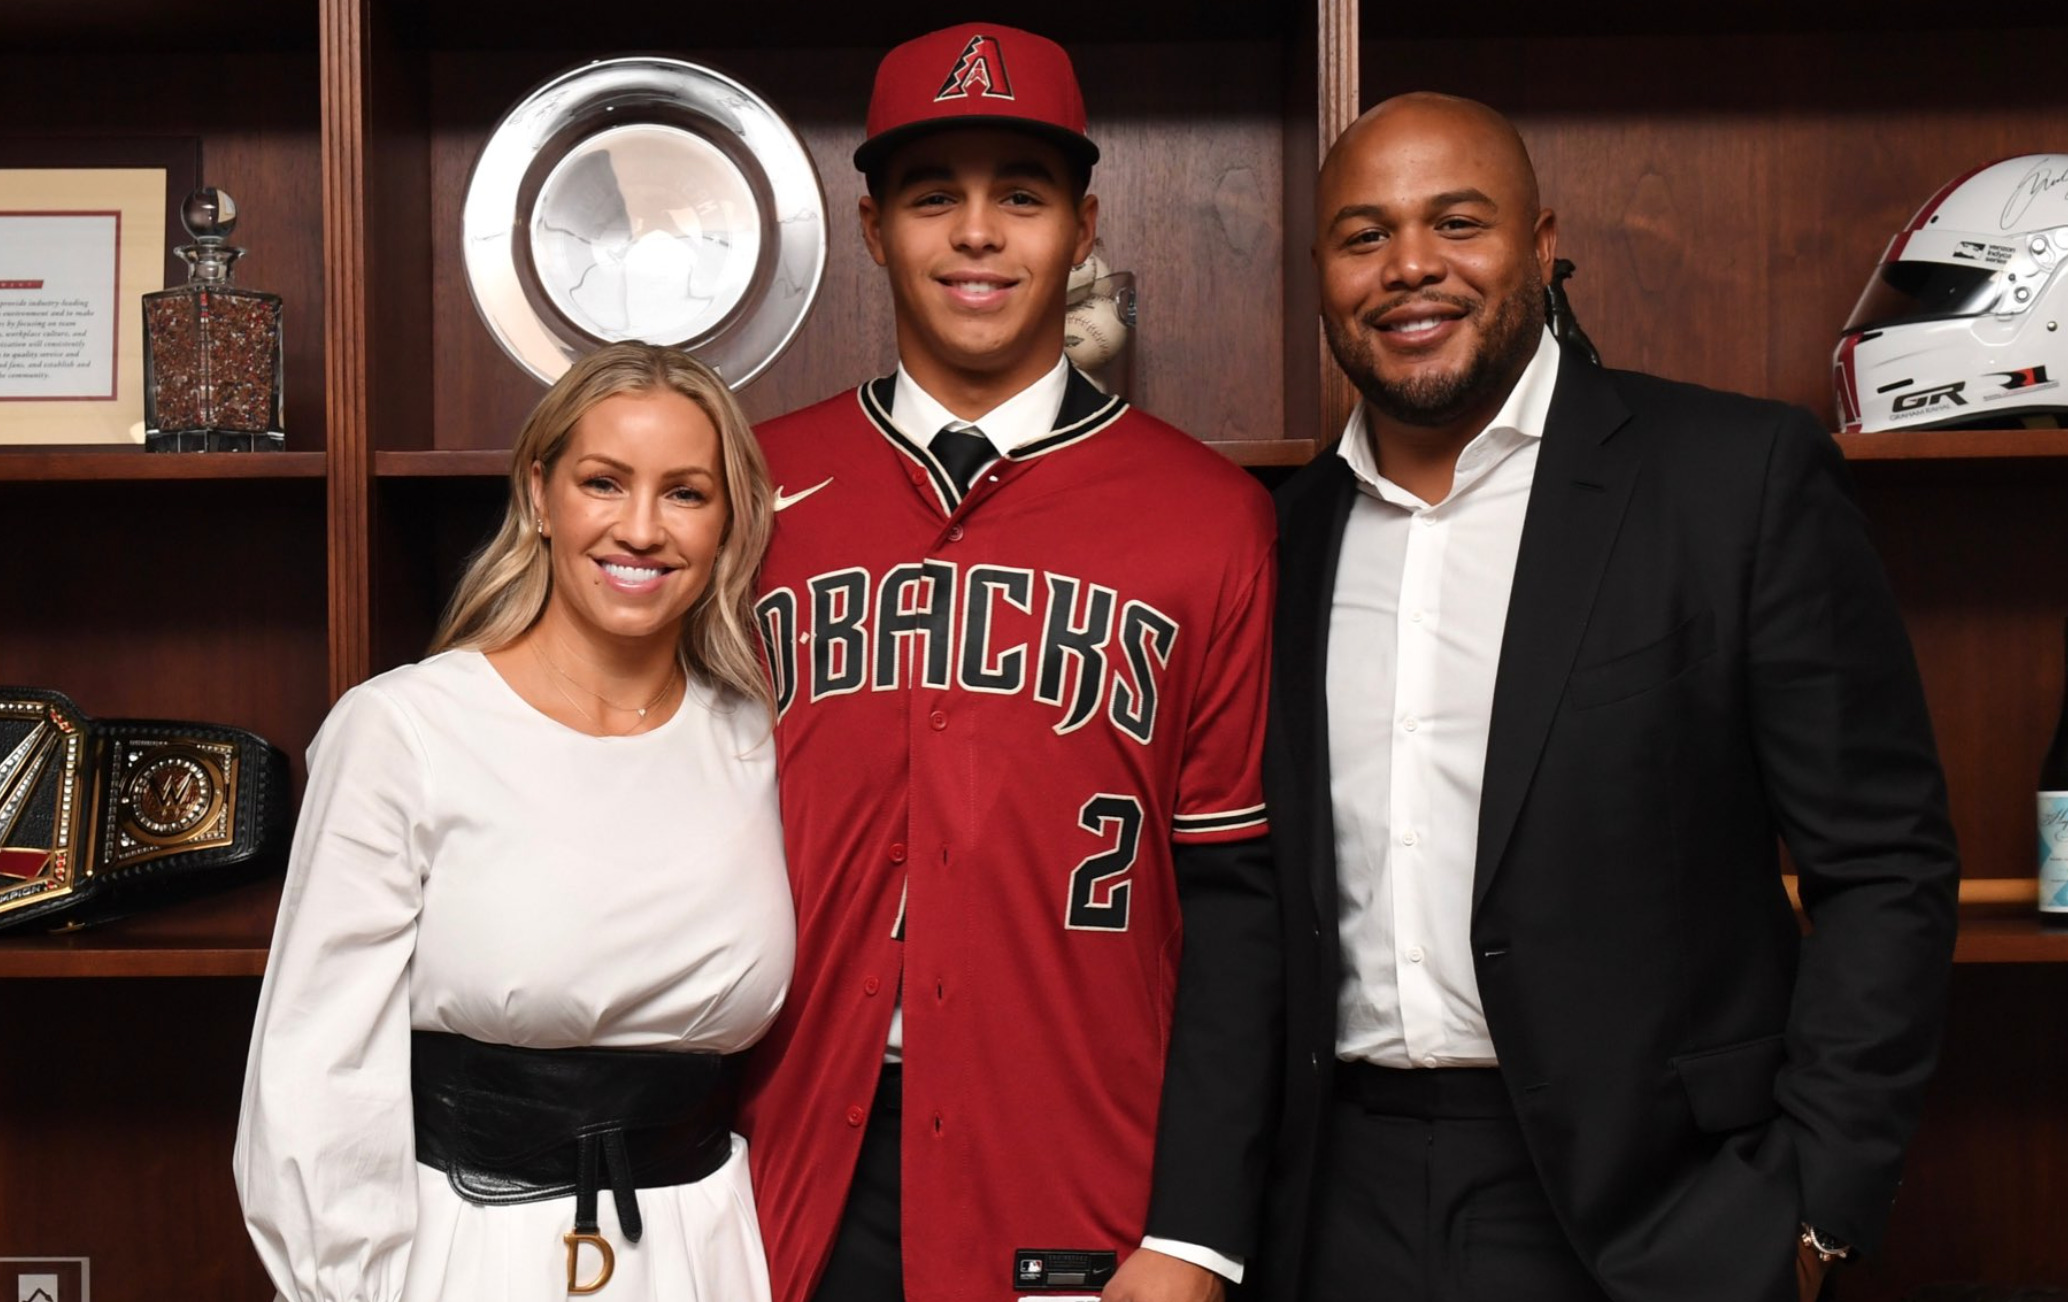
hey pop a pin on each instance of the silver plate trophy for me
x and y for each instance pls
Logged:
(644, 198)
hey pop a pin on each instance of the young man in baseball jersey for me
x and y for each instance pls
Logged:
(1018, 632)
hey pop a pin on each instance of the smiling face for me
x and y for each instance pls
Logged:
(978, 228)
(634, 511)
(1433, 255)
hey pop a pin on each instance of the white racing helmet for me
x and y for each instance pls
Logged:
(1966, 319)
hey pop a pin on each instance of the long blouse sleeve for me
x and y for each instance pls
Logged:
(325, 1155)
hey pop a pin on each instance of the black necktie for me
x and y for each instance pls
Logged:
(962, 451)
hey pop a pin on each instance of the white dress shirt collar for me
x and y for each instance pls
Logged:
(1027, 415)
(1524, 413)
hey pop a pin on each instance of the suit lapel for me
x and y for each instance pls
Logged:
(1309, 551)
(1583, 480)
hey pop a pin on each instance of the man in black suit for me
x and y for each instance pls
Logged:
(1561, 654)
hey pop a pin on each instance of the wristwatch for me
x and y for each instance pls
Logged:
(1827, 1248)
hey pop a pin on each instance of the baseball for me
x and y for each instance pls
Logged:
(1084, 273)
(1093, 333)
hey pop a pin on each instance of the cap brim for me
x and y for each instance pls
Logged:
(878, 148)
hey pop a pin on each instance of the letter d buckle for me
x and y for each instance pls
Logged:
(574, 1267)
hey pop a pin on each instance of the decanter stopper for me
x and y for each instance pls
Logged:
(209, 215)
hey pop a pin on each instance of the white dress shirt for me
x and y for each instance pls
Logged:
(1022, 418)
(1421, 600)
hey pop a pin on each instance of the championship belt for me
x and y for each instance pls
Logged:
(103, 817)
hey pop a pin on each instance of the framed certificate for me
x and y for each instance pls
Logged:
(86, 229)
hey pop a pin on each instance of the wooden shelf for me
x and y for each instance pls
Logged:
(225, 934)
(2010, 938)
(90, 954)
(45, 465)
(455, 463)
(1954, 444)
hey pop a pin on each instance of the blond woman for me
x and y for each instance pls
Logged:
(537, 899)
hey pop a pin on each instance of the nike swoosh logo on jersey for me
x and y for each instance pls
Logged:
(783, 503)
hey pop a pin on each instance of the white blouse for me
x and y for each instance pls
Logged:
(464, 863)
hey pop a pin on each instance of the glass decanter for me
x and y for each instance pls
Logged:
(212, 360)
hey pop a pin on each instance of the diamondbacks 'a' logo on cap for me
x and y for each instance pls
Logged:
(981, 69)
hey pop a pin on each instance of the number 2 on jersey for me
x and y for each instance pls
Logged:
(1099, 890)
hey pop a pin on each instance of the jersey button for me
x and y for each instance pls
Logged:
(855, 1116)
(897, 852)
(870, 985)
(938, 720)
(954, 533)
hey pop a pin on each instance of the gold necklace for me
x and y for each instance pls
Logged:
(639, 710)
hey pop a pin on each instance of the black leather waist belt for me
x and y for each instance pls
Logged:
(1425, 1093)
(102, 817)
(511, 1125)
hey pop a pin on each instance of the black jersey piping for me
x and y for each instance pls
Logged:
(1085, 411)
(1254, 816)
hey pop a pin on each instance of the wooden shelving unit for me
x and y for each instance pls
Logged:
(346, 130)
(1725, 179)
(1956, 445)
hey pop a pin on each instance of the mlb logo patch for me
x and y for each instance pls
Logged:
(1062, 1268)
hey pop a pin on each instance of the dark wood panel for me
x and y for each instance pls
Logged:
(429, 528)
(828, 24)
(398, 256)
(1191, 197)
(256, 116)
(1626, 17)
(1966, 549)
(1727, 197)
(1192, 200)
(1987, 1176)
(160, 27)
(121, 1099)
(196, 600)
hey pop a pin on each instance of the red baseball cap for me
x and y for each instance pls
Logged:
(977, 74)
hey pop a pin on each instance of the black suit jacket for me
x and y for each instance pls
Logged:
(1701, 655)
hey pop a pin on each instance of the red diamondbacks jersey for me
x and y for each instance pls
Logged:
(996, 716)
